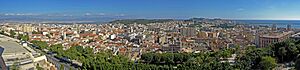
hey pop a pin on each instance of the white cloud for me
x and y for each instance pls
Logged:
(20, 14)
(8, 14)
(240, 9)
(88, 14)
(94, 14)
(101, 14)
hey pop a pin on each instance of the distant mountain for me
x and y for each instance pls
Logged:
(87, 18)
(203, 19)
(141, 21)
(57, 18)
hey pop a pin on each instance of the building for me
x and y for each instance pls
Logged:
(189, 32)
(274, 27)
(289, 27)
(212, 34)
(256, 40)
(15, 54)
(155, 29)
(20, 55)
(171, 48)
(267, 39)
(27, 28)
(296, 36)
(202, 34)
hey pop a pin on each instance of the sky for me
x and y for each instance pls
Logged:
(229, 9)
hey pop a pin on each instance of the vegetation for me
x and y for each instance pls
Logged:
(267, 63)
(105, 60)
(270, 57)
(248, 59)
(61, 67)
(297, 64)
(23, 37)
(12, 33)
(40, 44)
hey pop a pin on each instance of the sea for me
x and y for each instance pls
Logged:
(278, 23)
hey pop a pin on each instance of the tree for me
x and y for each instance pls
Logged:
(25, 37)
(225, 53)
(19, 36)
(267, 63)
(12, 33)
(62, 67)
(56, 48)
(147, 57)
(292, 52)
(282, 52)
(251, 58)
(41, 44)
(297, 64)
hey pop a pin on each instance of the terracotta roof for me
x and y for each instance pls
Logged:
(87, 35)
(122, 49)
(69, 32)
(37, 35)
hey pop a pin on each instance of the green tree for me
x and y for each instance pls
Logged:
(41, 44)
(25, 37)
(19, 36)
(62, 67)
(12, 33)
(297, 64)
(58, 48)
(251, 58)
(225, 53)
(267, 63)
(282, 52)
(147, 57)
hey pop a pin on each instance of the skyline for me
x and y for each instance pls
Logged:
(178, 9)
(149, 35)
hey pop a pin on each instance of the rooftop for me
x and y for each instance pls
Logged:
(296, 35)
(277, 35)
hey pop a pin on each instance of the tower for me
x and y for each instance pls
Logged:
(64, 36)
(289, 27)
(274, 28)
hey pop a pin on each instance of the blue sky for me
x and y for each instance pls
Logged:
(231, 9)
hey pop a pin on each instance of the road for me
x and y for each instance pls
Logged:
(57, 62)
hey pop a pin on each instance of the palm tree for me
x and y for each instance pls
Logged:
(282, 52)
